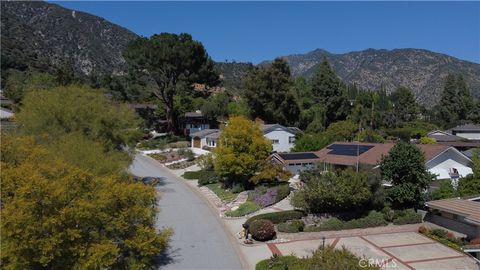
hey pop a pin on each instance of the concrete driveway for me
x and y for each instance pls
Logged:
(405, 250)
(199, 240)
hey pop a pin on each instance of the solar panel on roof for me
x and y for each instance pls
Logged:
(292, 156)
(348, 149)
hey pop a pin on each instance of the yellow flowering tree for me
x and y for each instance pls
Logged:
(242, 150)
(57, 216)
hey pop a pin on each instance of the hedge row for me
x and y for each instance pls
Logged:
(374, 219)
(192, 174)
(278, 217)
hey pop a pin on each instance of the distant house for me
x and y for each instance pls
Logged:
(6, 117)
(445, 162)
(196, 121)
(206, 138)
(458, 214)
(450, 139)
(283, 138)
(443, 136)
(468, 131)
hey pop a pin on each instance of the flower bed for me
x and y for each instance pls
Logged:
(181, 165)
(443, 236)
(374, 219)
(267, 196)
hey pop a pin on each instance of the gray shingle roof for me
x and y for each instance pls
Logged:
(467, 127)
(204, 133)
(266, 128)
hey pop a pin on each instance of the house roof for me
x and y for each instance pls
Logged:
(369, 153)
(442, 136)
(469, 152)
(213, 135)
(6, 114)
(296, 157)
(266, 128)
(204, 133)
(466, 208)
(466, 127)
(194, 114)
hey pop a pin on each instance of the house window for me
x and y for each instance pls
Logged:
(291, 139)
(275, 142)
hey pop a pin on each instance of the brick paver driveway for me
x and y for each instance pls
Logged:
(404, 250)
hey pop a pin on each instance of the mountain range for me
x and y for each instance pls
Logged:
(43, 35)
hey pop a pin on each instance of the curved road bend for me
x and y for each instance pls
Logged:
(199, 240)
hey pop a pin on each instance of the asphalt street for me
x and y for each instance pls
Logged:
(199, 240)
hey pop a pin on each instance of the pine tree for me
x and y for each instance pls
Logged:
(269, 93)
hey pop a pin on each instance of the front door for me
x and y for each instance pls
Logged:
(196, 142)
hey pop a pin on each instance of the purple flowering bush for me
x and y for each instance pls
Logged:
(270, 196)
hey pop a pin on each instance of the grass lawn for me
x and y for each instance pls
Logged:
(222, 193)
(244, 209)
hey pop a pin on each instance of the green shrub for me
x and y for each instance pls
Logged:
(292, 226)
(237, 188)
(327, 258)
(278, 217)
(223, 194)
(158, 156)
(282, 192)
(244, 209)
(373, 219)
(208, 177)
(276, 263)
(408, 216)
(388, 213)
(186, 153)
(181, 144)
(262, 230)
(192, 175)
(440, 232)
(331, 224)
(332, 192)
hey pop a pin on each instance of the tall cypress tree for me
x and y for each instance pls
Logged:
(464, 101)
(329, 91)
(448, 100)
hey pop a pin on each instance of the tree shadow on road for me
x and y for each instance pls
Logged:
(167, 257)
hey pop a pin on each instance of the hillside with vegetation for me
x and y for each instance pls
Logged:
(52, 36)
(422, 71)
(43, 36)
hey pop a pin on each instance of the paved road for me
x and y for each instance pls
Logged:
(199, 240)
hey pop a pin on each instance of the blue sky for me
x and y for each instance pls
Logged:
(257, 31)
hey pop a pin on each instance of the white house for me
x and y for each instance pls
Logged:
(283, 138)
(205, 138)
(449, 164)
